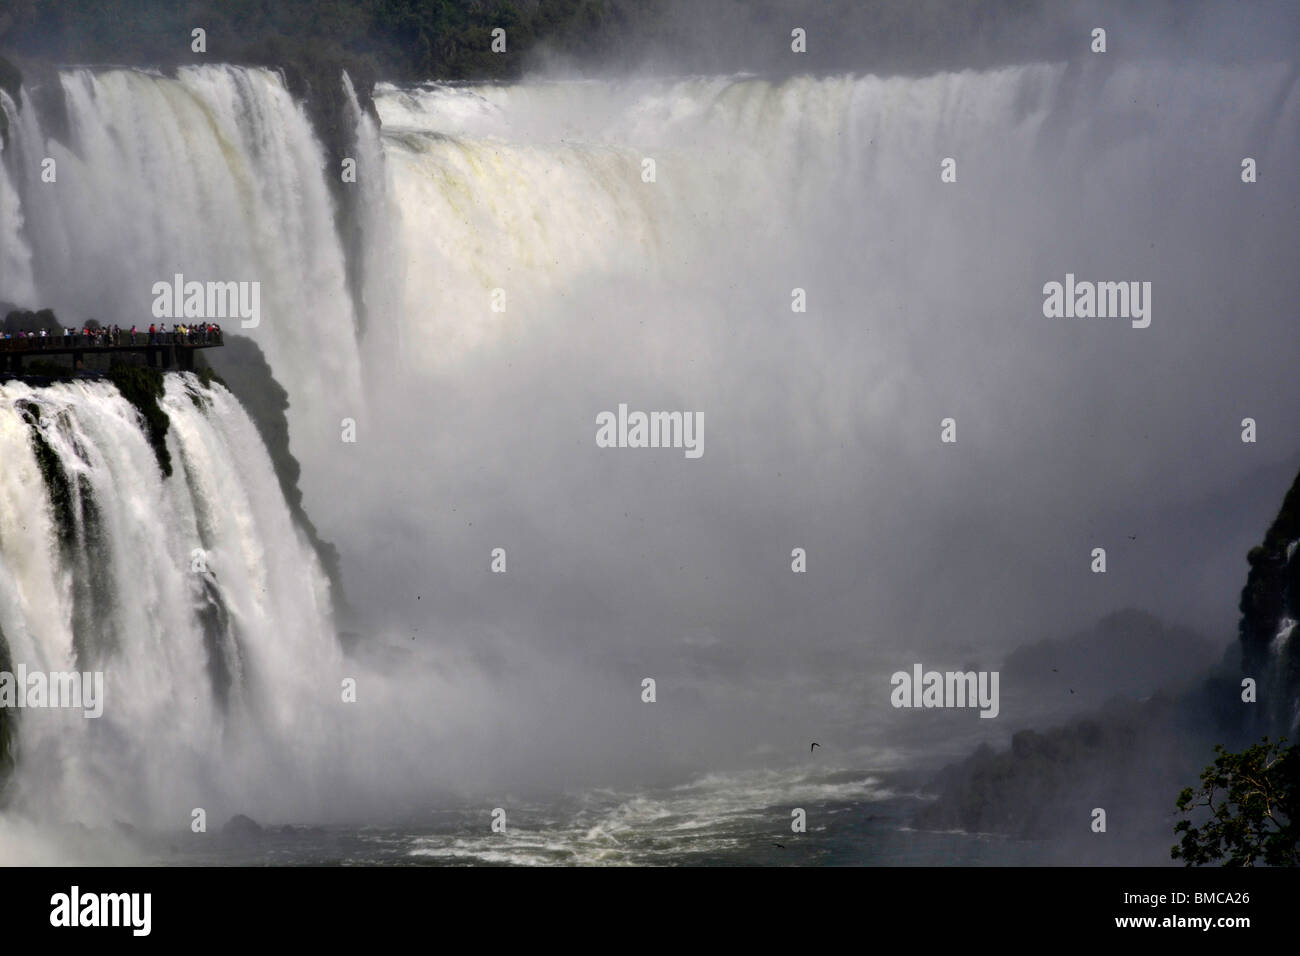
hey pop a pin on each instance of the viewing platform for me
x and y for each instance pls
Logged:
(161, 349)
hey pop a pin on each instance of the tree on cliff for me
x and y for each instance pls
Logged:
(400, 38)
(1253, 804)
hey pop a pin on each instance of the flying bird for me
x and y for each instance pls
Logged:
(814, 746)
(780, 845)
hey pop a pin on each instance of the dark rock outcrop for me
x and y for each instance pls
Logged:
(240, 827)
(1270, 602)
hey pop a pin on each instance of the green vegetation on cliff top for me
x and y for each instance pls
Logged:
(409, 39)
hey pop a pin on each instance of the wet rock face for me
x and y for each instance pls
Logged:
(11, 82)
(11, 78)
(1270, 606)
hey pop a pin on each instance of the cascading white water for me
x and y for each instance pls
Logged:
(15, 255)
(538, 187)
(380, 265)
(216, 673)
(216, 175)
(924, 297)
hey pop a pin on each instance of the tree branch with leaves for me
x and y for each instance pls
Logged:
(1248, 805)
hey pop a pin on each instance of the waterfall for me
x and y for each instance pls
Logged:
(647, 234)
(16, 280)
(216, 175)
(195, 595)
(538, 186)
(379, 265)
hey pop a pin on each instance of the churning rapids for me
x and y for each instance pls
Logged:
(223, 686)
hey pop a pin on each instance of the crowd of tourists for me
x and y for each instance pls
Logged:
(204, 333)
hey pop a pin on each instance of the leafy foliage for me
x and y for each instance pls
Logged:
(1253, 804)
(412, 38)
(24, 320)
